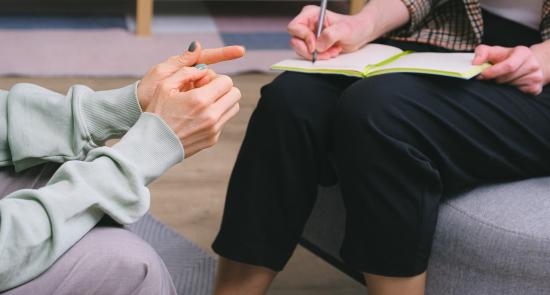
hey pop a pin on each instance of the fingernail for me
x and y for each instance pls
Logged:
(201, 66)
(192, 46)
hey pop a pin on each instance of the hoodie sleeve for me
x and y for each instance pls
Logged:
(38, 226)
(38, 125)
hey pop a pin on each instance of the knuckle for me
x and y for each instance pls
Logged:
(508, 67)
(227, 80)
(523, 50)
(212, 130)
(292, 43)
(533, 60)
(237, 92)
(155, 70)
(538, 77)
(195, 101)
(210, 119)
(331, 35)
(211, 73)
(212, 140)
(533, 66)
(181, 60)
(291, 28)
(164, 86)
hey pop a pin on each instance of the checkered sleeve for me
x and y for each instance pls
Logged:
(545, 24)
(418, 10)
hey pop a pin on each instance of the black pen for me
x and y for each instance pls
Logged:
(320, 24)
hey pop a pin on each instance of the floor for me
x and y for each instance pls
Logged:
(190, 196)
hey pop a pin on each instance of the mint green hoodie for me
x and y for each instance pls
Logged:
(36, 126)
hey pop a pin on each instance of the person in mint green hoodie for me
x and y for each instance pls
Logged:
(51, 232)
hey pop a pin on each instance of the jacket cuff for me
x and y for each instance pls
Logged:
(151, 146)
(110, 114)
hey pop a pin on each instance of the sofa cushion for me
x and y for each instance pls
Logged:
(494, 240)
(491, 240)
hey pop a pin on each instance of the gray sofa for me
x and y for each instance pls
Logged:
(491, 240)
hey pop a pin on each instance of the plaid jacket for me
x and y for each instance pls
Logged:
(455, 24)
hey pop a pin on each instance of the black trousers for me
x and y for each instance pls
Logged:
(397, 143)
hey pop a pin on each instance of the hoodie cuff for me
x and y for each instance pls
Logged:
(110, 114)
(152, 146)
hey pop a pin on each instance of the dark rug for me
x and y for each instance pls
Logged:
(191, 268)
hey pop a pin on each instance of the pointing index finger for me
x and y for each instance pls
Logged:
(216, 55)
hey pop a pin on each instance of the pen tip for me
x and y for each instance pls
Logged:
(314, 57)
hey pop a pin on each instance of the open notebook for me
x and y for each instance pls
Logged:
(378, 59)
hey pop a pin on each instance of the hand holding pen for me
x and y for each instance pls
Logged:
(336, 33)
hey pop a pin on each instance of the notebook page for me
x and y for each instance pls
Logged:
(460, 63)
(355, 61)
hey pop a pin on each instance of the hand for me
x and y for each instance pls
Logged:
(518, 66)
(342, 33)
(156, 74)
(196, 116)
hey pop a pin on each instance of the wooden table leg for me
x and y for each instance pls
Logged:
(144, 17)
(356, 6)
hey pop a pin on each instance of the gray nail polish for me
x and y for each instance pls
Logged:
(192, 46)
(201, 66)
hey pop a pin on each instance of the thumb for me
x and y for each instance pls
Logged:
(481, 55)
(330, 36)
(492, 54)
(186, 59)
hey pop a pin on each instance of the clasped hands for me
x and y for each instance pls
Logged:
(527, 68)
(194, 101)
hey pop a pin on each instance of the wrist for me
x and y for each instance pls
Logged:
(384, 16)
(141, 95)
(541, 52)
(366, 22)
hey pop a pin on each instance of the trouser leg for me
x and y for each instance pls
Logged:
(402, 142)
(108, 260)
(281, 162)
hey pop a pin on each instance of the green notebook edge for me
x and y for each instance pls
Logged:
(370, 70)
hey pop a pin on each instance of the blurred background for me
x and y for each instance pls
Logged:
(102, 44)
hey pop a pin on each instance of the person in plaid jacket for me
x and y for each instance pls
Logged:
(398, 144)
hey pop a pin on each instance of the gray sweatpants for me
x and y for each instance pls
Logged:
(109, 260)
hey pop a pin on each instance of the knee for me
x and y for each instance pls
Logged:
(286, 97)
(122, 255)
(374, 105)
